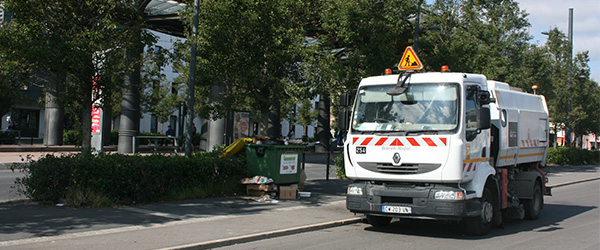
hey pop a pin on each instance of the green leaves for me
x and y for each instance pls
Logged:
(113, 179)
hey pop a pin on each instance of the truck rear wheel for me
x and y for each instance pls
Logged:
(481, 225)
(378, 221)
(533, 206)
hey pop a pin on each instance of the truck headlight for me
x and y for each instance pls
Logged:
(355, 190)
(449, 195)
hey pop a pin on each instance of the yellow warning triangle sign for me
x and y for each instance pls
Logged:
(410, 61)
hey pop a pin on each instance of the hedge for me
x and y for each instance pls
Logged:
(84, 180)
(572, 156)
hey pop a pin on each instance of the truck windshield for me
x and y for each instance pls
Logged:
(424, 107)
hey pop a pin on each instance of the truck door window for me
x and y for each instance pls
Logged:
(471, 109)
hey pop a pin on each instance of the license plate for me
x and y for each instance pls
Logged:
(396, 209)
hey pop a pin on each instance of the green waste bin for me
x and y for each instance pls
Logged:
(281, 163)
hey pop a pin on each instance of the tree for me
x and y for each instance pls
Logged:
(13, 72)
(306, 116)
(558, 54)
(488, 37)
(585, 99)
(351, 40)
(161, 98)
(71, 41)
(250, 49)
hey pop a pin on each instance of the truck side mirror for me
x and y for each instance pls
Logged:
(345, 100)
(483, 118)
(484, 97)
(344, 119)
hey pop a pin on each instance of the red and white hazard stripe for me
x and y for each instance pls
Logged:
(468, 167)
(400, 141)
(529, 143)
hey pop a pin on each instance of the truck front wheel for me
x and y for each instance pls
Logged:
(481, 225)
(378, 221)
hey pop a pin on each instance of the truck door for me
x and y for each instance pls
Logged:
(476, 139)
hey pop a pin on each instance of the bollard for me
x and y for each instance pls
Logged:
(303, 159)
(328, 157)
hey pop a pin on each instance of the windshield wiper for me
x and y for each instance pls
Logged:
(423, 131)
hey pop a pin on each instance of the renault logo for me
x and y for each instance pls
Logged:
(397, 158)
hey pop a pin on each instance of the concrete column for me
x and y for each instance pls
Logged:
(216, 128)
(54, 116)
(130, 102)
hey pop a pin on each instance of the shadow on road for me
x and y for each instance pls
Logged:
(548, 221)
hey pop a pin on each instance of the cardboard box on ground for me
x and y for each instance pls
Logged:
(261, 189)
(288, 192)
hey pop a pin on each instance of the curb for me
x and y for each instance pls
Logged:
(573, 182)
(265, 235)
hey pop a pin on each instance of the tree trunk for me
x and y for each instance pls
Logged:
(323, 128)
(274, 121)
(86, 118)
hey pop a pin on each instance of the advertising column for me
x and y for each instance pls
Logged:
(96, 120)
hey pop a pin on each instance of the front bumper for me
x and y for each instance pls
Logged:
(418, 201)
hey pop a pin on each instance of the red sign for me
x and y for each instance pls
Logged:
(96, 115)
(244, 127)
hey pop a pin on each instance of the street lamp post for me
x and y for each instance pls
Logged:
(569, 78)
(418, 30)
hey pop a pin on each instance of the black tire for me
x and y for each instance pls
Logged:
(481, 225)
(534, 206)
(378, 221)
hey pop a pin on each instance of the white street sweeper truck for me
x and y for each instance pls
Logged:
(445, 146)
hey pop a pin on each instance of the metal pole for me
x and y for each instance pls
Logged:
(192, 83)
(328, 159)
(416, 43)
(569, 80)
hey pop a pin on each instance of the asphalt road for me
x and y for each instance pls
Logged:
(7, 183)
(570, 220)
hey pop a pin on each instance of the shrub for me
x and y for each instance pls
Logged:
(572, 156)
(72, 137)
(114, 137)
(340, 170)
(85, 180)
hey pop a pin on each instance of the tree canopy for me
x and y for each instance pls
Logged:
(266, 53)
(75, 43)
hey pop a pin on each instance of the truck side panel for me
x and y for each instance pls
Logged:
(522, 120)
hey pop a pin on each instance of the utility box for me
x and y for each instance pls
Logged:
(278, 162)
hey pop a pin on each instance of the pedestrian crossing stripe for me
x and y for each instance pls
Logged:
(410, 61)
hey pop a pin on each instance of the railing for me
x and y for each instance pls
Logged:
(156, 139)
(16, 139)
